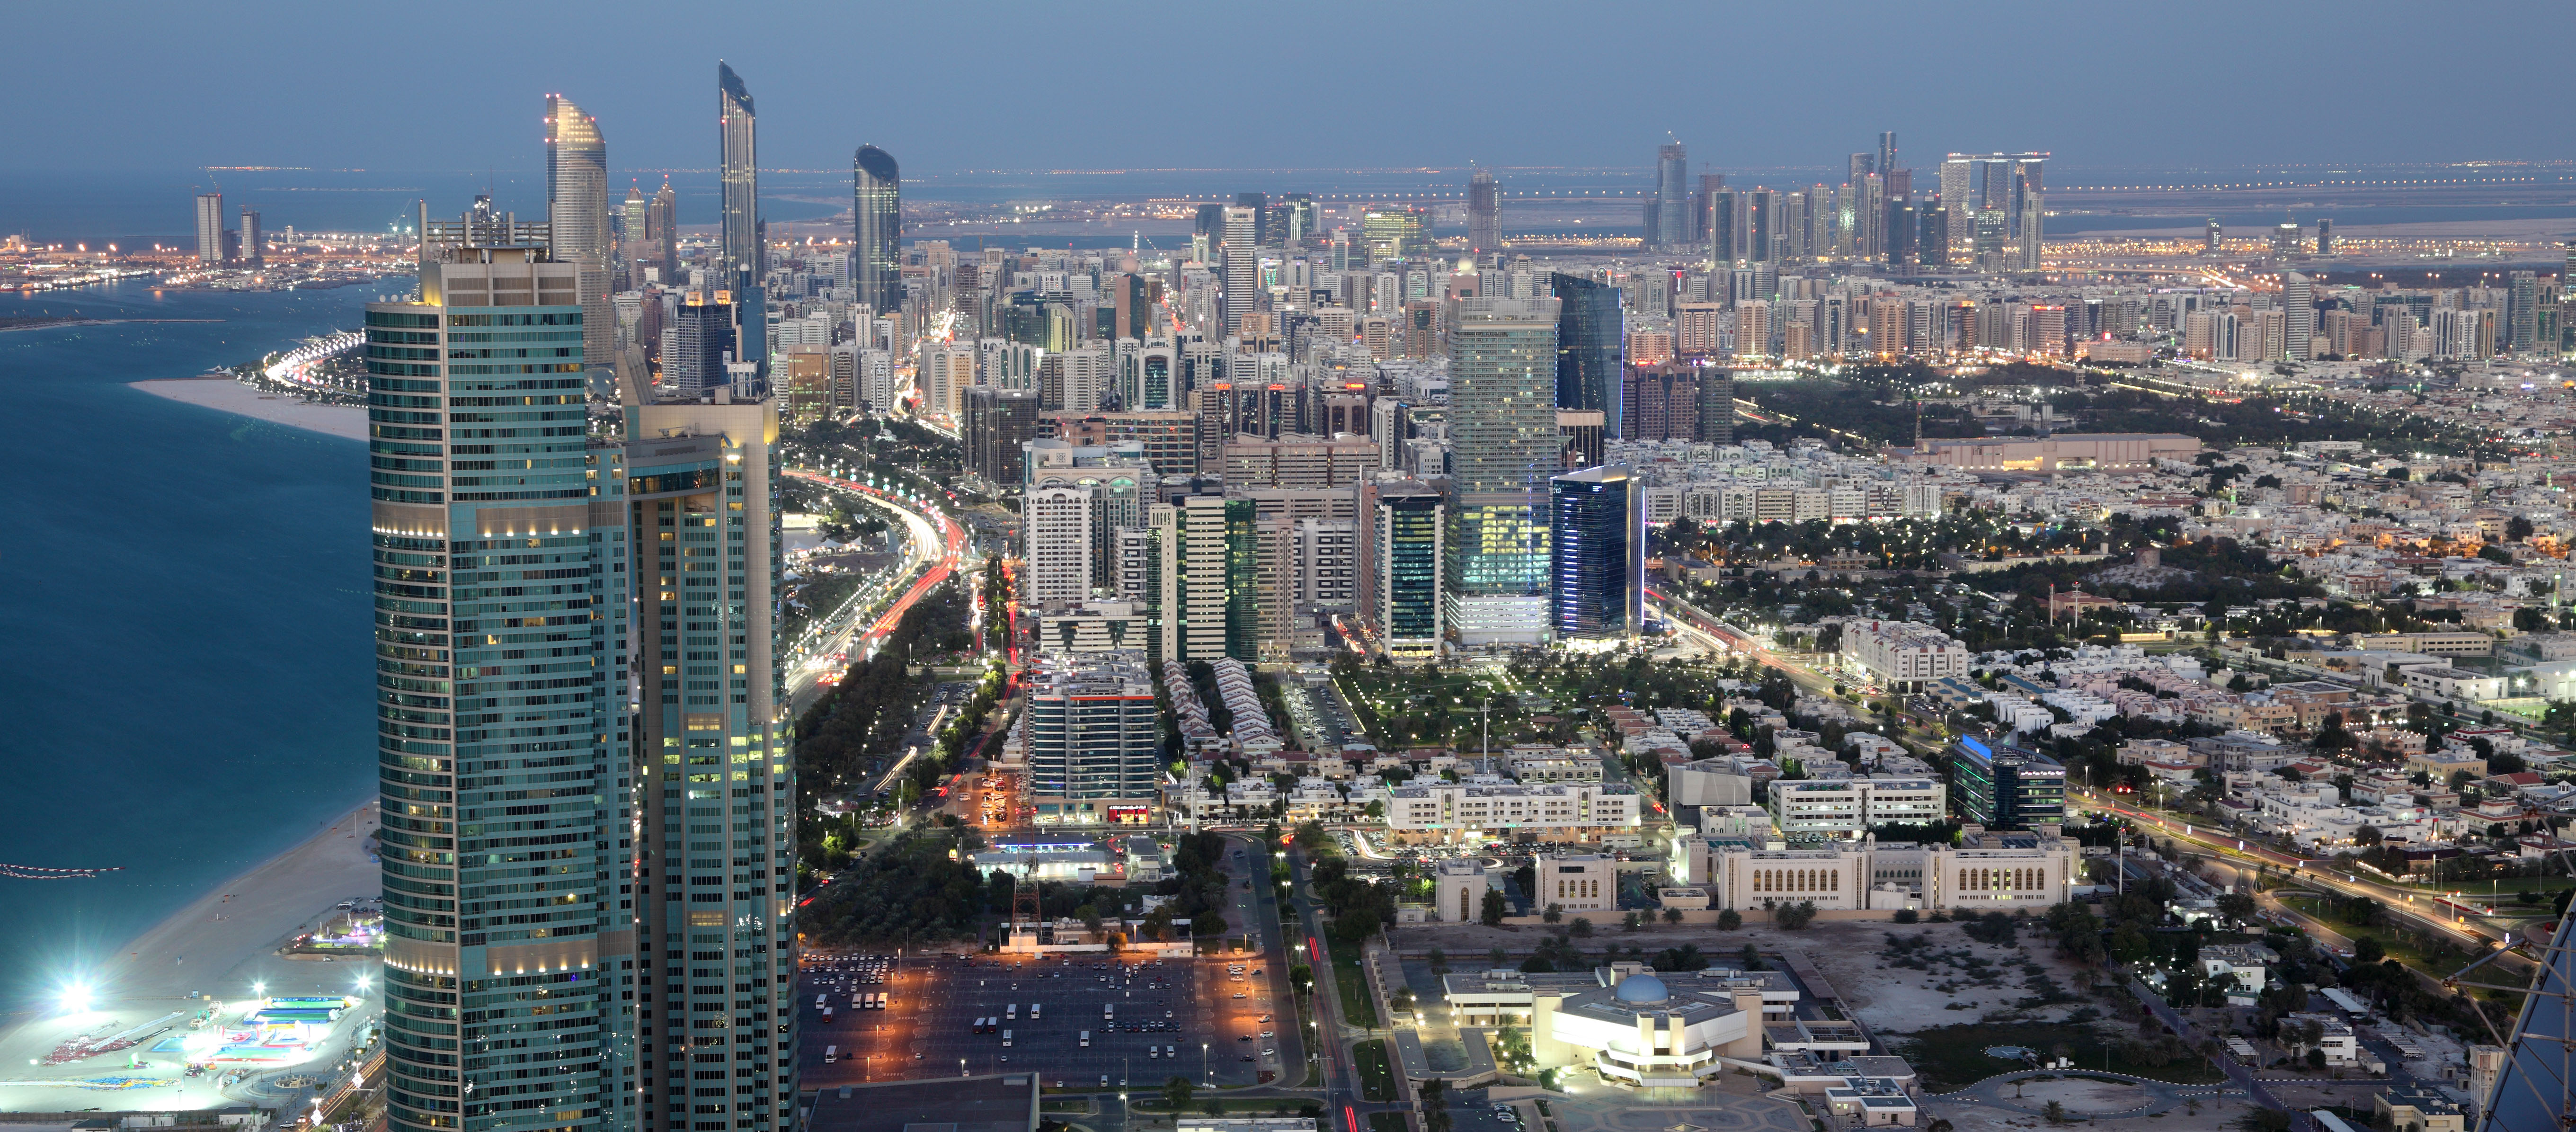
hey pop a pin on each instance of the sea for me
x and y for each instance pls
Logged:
(186, 669)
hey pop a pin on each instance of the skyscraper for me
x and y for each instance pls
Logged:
(1591, 337)
(2034, 223)
(1402, 527)
(664, 227)
(1242, 279)
(1484, 214)
(2298, 315)
(1505, 446)
(1672, 196)
(1093, 740)
(876, 247)
(490, 695)
(742, 257)
(1596, 554)
(633, 247)
(211, 233)
(577, 209)
(1887, 153)
(250, 239)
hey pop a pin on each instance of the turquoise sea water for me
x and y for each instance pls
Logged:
(183, 620)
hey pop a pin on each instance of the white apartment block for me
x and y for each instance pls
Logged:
(1903, 655)
(1487, 806)
(1843, 809)
(1058, 524)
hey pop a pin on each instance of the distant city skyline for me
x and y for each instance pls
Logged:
(2058, 81)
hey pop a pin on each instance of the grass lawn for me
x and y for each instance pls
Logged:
(1357, 1009)
(1953, 1056)
(1377, 1077)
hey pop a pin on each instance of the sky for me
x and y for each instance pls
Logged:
(973, 84)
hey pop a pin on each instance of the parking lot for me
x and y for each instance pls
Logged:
(1199, 1010)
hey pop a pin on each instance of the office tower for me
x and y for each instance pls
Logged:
(1886, 153)
(1092, 739)
(1596, 554)
(2522, 311)
(577, 208)
(1725, 239)
(250, 238)
(1581, 436)
(2298, 315)
(2034, 221)
(1503, 424)
(1672, 195)
(1591, 336)
(739, 253)
(1958, 200)
(1242, 279)
(633, 243)
(998, 421)
(1857, 166)
(479, 709)
(1990, 240)
(1869, 213)
(2007, 789)
(742, 258)
(2325, 236)
(1484, 214)
(1702, 217)
(664, 227)
(1716, 421)
(876, 245)
(1660, 401)
(2210, 235)
(1761, 212)
(698, 343)
(211, 233)
(2285, 240)
(1403, 528)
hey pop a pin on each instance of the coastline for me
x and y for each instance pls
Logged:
(348, 422)
(246, 915)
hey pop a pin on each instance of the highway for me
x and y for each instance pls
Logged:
(937, 548)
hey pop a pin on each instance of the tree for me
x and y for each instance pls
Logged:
(1729, 920)
(1555, 913)
(1672, 915)
(1795, 917)
(2367, 950)
(2054, 1112)
(1439, 962)
(1177, 1092)
(2366, 835)
(1582, 928)
(2237, 907)
(1493, 909)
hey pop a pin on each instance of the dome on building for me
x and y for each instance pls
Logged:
(1641, 989)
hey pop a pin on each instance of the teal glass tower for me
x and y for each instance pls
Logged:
(501, 721)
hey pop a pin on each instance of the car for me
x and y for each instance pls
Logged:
(1104, 1080)
(1244, 1038)
(1269, 1034)
(1265, 1017)
(1246, 1057)
(916, 1057)
(1167, 1014)
(1238, 994)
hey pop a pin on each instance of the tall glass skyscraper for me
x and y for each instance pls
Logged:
(1591, 342)
(1672, 196)
(1405, 528)
(742, 254)
(1597, 554)
(577, 208)
(585, 872)
(1502, 411)
(500, 680)
(876, 249)
(1484, 214)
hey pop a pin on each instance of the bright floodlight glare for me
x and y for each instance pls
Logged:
(75, 998)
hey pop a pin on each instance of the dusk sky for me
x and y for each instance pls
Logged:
(963, 85)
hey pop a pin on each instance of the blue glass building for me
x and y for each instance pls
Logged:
(1596, 553)
(1591, 344)
(2008, 787)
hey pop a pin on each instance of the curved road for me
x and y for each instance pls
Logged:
(931, 528)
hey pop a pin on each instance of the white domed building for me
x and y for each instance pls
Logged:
(1643, 1031)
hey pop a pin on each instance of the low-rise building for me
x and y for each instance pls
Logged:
(1585, 883)
(1846, 808)
(1488, 807)
(1902, 655)
(2417, 1108)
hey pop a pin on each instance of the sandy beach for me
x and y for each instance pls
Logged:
(349, 422)
(221, 945)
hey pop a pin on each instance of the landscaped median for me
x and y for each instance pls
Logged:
(1377, 1070)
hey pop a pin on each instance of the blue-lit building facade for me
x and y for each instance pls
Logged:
(1591, 347)
(1596, 554)
(2006, 787)
(1404, 523)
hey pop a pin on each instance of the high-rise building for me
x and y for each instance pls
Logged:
(250, 241)
(1886, 153)
(1505, 446)
(212, 236)
(1716, 423)
(1661, 402)
(876, 246)
(577, 208)
(1591, 334)
(1484, 214)
(2285, 240)
(1672, 196)
(2210, 235)
(1207, 569)
(1596, 554)
(2522, 314)
(2325, 236)
(1242, 279)
(2298, 315)
(2034, 221)
(634, 222)
(998, 419)
(1093, 739)
(476, 710)
(1402, 526)
(1057, 537)
(698, 343)
(742, 257)
(664, 228)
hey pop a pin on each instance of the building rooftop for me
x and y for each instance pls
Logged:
(1006, 1103)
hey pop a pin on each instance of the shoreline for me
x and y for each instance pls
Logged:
(223, 394)
(256, 907)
